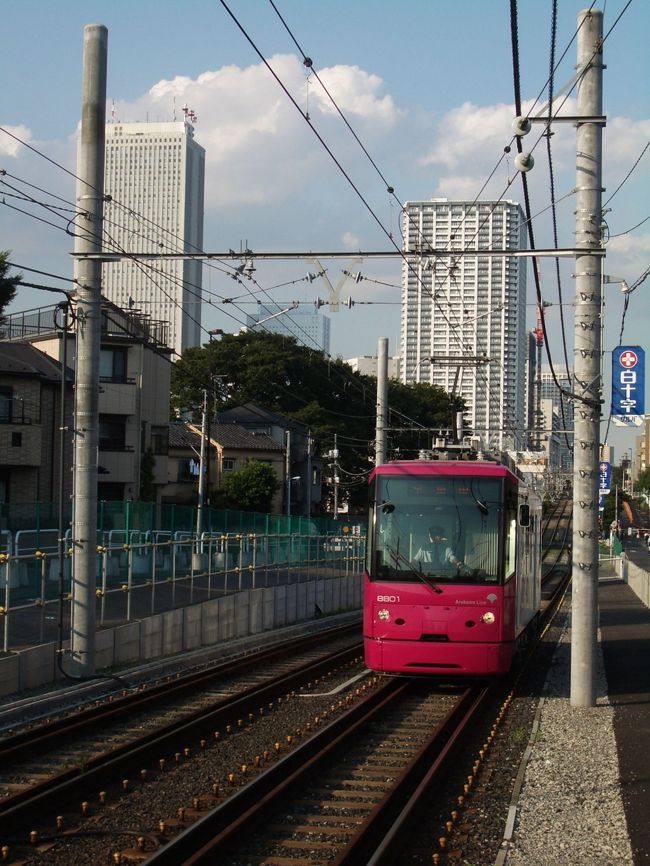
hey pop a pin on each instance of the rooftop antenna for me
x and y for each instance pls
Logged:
(174, 110)
(113, 111)
(189, 114)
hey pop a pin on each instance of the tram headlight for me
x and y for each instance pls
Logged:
(383, 614)
(488, 617)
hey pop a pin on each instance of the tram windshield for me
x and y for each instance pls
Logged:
(435, 529)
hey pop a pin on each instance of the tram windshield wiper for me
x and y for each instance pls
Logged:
(413, 568)
(417, 570)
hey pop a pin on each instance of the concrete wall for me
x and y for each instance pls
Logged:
(636, 578)
(184, 629)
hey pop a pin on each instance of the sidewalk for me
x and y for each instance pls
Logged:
(585, 798)
(625, 630)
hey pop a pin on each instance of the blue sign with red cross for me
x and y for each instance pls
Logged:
(628, 386)
(604, 476)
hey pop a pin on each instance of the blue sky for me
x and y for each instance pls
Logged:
(427, 85)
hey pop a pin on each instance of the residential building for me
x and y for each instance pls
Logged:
(551, 438)
(229, 447)
(31, 390)
(464, 314)
(134, 377)
(154, 175)
(305, 469)
(367, 365)
(532, 389)
(308, 327)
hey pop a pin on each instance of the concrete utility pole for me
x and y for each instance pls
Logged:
(202, 469)
(382, 401)
(88, 271)
(287, 469)
(587, 359)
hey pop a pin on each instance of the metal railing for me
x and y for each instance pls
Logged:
(143, 573)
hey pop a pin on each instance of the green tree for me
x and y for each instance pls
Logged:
(147, 486)
(643, 481)
(325, 394)
(8, 284)
(251, 488)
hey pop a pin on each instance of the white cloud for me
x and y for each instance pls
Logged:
(9, 146)
(623, 141)
(355, 92)
(630, 243)
(350, 241)
(259, 149)
(468, 130)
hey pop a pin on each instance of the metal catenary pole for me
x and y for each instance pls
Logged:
(587, 361)
(88, 240)
(382, 401)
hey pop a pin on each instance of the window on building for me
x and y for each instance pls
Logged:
(160, 440)
(112, 364)
(228, 464)
(16, 440)
(6, 403)
(112, 433)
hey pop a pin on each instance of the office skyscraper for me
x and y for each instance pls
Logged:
(155, 177)
(308, 327)
(467, 312)
(563, 408)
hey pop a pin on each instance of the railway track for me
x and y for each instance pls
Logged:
(357, 807)
(341, 797)
(556, 545)
(71, 759)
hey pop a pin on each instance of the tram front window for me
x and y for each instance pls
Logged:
(438, 528)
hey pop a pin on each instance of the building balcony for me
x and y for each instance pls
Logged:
(117, 396)
(117, 465)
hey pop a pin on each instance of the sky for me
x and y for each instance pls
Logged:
(426, 85)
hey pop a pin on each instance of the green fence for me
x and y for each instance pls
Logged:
(148, 516)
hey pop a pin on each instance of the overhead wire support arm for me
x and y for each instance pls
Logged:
(565, 252)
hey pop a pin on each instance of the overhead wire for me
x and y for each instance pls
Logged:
(336, 161)
(558, 278)
(629, 174)
(308, 63)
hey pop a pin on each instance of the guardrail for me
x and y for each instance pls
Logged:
(143, 573)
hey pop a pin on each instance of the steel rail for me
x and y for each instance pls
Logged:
(206, 840)
(18, 811)
(37, 740)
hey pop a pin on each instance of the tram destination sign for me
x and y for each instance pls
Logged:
(628, 386)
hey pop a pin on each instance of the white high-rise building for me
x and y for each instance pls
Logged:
(155, 177)
(467, 312)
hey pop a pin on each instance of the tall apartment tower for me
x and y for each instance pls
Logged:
(155, 177)
(464, 314)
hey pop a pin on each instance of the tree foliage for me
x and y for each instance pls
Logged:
(275, 372)
(8, 284)
(643, 481)
(250, 488)
(147, 477)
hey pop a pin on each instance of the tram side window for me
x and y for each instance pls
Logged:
(510, 547)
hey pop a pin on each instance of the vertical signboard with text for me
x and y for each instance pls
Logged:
(628, 386)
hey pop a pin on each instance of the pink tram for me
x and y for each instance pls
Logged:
(452, 578)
